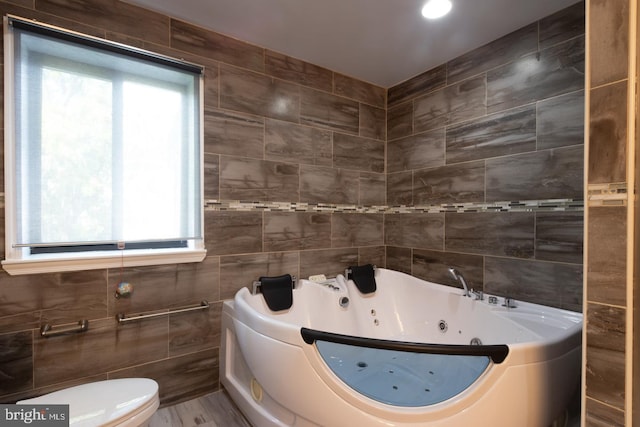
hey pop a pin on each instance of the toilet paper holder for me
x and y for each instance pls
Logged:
(51, 331)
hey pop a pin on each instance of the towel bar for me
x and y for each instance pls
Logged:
(122, 318)
(49, 331)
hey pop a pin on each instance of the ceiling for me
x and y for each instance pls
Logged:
(379, 41)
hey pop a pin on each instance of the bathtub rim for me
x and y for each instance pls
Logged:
(532, 351)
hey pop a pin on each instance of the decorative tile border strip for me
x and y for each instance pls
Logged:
(607, 194)
(519, 206)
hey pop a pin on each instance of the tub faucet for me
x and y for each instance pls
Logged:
(457, 276)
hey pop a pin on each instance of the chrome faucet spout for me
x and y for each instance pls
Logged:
(458, 277)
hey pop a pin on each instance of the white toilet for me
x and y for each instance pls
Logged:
(128, 402)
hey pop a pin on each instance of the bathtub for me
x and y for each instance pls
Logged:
(412, 353)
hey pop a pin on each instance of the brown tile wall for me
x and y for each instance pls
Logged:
(607, 227)
(276, 129)
(280, 129)
(504, 122)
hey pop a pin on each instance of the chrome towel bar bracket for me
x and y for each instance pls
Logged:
(51, 331)
(122, 318)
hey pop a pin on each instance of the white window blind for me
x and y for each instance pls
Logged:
(105, 145)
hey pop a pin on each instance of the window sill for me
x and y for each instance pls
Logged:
(38, 264)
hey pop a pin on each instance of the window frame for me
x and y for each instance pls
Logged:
(19, 259)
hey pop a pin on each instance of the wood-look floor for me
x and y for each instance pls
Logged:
(218, 410)
(213, 410)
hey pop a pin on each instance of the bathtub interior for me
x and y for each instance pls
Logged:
(405, 308)
(402, 378)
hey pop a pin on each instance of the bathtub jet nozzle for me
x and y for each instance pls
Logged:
(459, 278)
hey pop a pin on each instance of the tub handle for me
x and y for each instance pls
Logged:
(498, 353)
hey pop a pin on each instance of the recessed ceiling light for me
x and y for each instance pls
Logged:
(434, 9)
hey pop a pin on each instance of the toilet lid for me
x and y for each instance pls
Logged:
(104, 403)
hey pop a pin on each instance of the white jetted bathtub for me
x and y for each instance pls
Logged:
(412, 353)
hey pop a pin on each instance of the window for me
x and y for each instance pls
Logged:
(103, 157)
